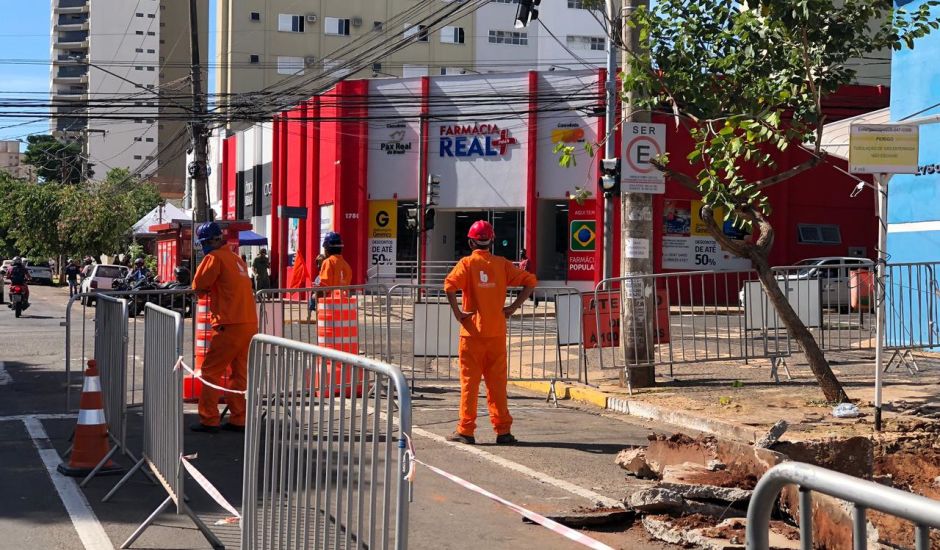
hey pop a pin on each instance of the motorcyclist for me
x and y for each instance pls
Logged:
(140, 272)
(19, 275)
(182, 275)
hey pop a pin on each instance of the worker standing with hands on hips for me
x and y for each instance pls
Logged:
(223, 275)
(483, 279)
(335, 271)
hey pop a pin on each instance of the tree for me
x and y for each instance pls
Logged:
(55, 161)
(749, 79)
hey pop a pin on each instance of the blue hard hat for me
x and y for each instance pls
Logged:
(208, 231)
(332, 240)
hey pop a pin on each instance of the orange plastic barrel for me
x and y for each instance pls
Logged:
(862, 288)
(338, 328)
(192, 386)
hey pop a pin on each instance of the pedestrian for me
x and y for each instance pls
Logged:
(72, 272)
(260, 267)
(483, 279)
(89, 266)
(334, 271)
(223, 276)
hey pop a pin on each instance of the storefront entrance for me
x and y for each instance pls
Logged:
(508, 224)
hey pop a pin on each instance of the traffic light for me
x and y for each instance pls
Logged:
(411, 218)
(434, 189)
(527, 12)
(429, 219)
(610, 175)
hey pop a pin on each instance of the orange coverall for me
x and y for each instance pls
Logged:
(234, 322)
(335, 271)
(483, 279)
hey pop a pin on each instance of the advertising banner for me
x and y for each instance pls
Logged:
(326, 221)
(687, 245)
(383, 236)
(582, 240)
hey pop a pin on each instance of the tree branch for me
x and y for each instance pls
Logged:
(787, 174)
(743, 249)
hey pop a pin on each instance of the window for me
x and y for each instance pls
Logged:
(149, 140)
(335, 67)
(138, 14)
(576, 5)
(139, 50)
(593, 43)
(254, 58)
(254, 16)
(336, 26)
(138, 68)
(151, 50)
(411, 71)
(290, 65)
(419, 31)
(819, 234)
(137, 139)
(152, 15)
(290, 23)
(139, 33)
(509, 37)
(452, 35)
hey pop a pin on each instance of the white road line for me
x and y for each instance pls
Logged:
(525, 470)
(38, 416)
(5, 377)
(86, 524)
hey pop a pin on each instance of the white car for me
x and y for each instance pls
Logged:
(39, 273)
(833, 273)
(101, 278)
(4, 267)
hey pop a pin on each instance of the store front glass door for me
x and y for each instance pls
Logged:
(508, 224)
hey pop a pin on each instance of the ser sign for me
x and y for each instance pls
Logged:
(477, 140)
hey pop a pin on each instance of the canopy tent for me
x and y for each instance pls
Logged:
(159, 215)
(250, 238)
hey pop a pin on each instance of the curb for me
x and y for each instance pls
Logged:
(639, 409)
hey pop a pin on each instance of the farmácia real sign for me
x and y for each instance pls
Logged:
(474, 140)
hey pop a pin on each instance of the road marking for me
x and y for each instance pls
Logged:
(86, 524)
(5, 377)
(40, 416)
(525, 470)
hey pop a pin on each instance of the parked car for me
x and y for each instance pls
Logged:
(833, 273)
(101, 278)
(3, 267)
(40, 273)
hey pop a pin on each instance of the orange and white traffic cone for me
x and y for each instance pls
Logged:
(90, 445)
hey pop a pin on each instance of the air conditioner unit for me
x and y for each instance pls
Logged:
(311, 18)
(356, 22)
(376, 67)
(310, 61)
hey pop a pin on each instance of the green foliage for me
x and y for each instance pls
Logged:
(51, 219)
(55, 161)
(748, 81)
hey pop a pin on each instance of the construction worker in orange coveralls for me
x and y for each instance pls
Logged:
(483, 279)
(223, 275)
(335, 271)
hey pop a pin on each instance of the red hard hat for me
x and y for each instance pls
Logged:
(481, 231)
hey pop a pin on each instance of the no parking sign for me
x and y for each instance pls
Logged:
(642, 144)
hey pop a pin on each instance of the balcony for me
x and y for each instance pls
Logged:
(69, 78)
(73, 26)
(72, 40)
(71, 6)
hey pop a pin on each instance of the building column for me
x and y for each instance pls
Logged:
(531, 201)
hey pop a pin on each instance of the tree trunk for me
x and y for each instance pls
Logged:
(830, 385)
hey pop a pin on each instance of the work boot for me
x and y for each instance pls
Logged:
(229, 427)
(200, 427)
(506, 439)
(458, 437)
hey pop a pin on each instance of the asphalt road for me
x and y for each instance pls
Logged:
(565, 462)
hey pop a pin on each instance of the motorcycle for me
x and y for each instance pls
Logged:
(18, 300)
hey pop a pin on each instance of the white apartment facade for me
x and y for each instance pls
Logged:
(11, 161)
(117, 78)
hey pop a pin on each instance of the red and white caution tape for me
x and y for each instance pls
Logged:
(208, 487)
(551, 525)
(180, 364)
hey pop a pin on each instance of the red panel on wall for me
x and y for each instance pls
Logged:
(229, 169)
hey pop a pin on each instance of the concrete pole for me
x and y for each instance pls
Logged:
(614, 7)
(636, 330)
(881, 189)
(200, 137)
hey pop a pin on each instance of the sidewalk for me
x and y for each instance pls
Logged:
(731, 399)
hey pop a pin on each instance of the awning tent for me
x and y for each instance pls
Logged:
(250, 238)
(159, 215)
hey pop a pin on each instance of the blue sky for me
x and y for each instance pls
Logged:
(24, 36)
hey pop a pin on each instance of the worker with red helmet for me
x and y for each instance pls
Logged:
(483, 279)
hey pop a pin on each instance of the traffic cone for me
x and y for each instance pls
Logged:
(90, 444)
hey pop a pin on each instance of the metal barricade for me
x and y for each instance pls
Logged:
(81, 313)
(912, 311)
(923, 512)
(543, 336)
(319, 466)
(407, 272)
(163, 417)
(111, 357)
(291, 313)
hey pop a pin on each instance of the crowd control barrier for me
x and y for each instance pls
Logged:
(163, 417)
(923, 512)
(544, 336)
(324, 467)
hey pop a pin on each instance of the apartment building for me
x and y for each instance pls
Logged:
(267, 44)
(11, 161)
(119, 83)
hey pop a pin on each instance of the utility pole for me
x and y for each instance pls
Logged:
(614, 7)
(199, 167)
(637, 306)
